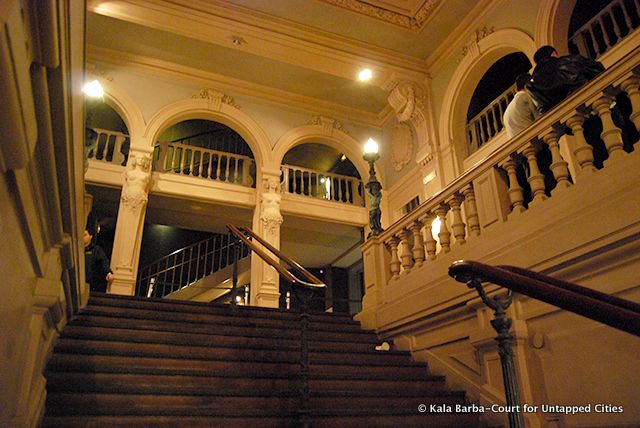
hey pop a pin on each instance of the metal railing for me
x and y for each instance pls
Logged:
(188, 265)
(608, 27)
(488, 123)
(222, 140)
(610, 310)
(304, 293)
(322, 185)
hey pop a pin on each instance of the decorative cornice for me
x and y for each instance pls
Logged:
(413, 23)
(276, 96)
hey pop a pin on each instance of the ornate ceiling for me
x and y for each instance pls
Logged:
(409, 14)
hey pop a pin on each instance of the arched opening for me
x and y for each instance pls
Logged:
(597, 25)
(317, 170)
(491, 98)
(205, 149)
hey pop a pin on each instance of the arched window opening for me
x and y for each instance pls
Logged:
(322, 172)
(491, 97)
(205, 149)
(107, 136)
(597, 25)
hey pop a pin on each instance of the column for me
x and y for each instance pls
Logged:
(131, 214)
(265, 280)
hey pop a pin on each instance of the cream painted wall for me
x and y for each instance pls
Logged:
(152, 92)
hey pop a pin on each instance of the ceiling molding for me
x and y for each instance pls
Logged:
(229, 84)
(460, 36)
(235, 27)
(412, 20)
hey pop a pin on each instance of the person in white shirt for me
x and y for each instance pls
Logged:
(522, 110)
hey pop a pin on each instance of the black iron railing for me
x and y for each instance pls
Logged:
(188, 265)
(303, 291)
(610, 310)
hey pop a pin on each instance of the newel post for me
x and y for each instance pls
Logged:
(376, 275)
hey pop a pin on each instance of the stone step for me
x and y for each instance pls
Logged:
(213, 352)
(210, 339)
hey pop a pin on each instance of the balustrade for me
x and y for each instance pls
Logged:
(410, 241)
(322, 185)
(204, 163)
(488, 123)
(111, 147)
(607, 28)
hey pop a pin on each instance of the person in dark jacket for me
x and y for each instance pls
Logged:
(96, 265)
(554, 78)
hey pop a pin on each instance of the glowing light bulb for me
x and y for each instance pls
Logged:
(93, 89)
(365, 75)
(371, 146)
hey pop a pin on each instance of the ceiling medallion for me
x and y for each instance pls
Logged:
(413, 23)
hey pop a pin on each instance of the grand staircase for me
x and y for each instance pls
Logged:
(131, 362)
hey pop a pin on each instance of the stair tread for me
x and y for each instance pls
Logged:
(128, 362)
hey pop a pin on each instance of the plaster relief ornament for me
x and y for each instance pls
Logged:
(137, 177)
(401, 146)
(270, 203)
(328, 124)
(215, 98)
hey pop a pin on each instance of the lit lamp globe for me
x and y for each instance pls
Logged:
(371, 151)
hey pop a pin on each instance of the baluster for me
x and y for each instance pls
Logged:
(583, 152)
(190, 157)
(444, 235)
(536, 178)
(471, 210)
(210, 167)
(457, 226)
(558, 165)
(516, 195)
(611, 134)
(308, 189)
(627, 18)
(235, 168)
(227, 176)
(218, 165)
(350, 183)
(632, 87)
(614, 21)
(394, 264)
(608, 39)
(406, 260)
(581, 42)
(418, 243)
(430, 244)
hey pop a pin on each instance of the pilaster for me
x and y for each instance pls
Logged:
(265, 280)
(129, 227)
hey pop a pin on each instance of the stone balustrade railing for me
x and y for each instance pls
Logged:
(204, 163)
(494, 181)
(322, 185)
(604, 30)
(111, 147)
(486, 124)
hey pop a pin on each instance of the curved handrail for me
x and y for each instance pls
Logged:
(610, 310)
(316, 283)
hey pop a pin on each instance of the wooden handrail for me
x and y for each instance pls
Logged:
(316, 283)
(612, 311)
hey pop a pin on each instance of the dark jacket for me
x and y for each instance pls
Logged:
(96, 267)
(554, 78)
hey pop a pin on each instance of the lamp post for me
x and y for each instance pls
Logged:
(374, 188)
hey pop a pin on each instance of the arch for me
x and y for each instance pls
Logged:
(464, 81)
(126, 107)
(332, 138)
(215, 110)
(552, 24)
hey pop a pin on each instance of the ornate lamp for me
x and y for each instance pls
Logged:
(374, 188)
